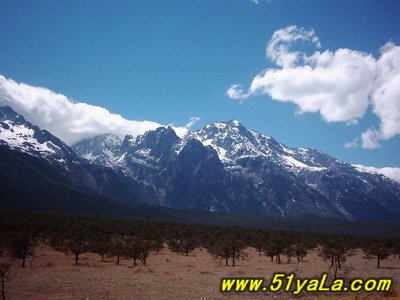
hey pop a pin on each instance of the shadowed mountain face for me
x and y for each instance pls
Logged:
(19, 135)
(226, 167)
(223, 167)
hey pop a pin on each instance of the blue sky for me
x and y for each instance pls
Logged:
(168, 61)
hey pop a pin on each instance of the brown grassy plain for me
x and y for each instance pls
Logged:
(52, 275)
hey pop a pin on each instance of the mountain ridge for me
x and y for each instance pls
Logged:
(276, 179)
(223, 167)
(18, 134)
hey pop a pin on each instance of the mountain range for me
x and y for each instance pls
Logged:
(224, 167)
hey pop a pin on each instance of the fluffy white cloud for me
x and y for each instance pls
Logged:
(385, 96)
(392, 173)
(236, 92)
(352, 144)
(339, 85)
(278, 48)
(369, 139)
(68, 120)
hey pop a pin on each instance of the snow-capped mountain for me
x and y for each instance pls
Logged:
(233, 142)
(222, 167)
(19, 135)
(100, 149)
(226, 167)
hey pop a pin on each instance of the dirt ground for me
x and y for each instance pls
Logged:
(52, 275)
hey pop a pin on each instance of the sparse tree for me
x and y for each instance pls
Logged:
(258, 240)
(137, 249)
(188, 245)
(259, 246)
(182, 246)
(229, 247)
(118, 247)
(100, 244)
(157, 244)
(21, 244)
(377, 250)
(273, 249)
(300, 250)
(336, 250)
(275, 246)
(289, 252)
(174, 246)
(396, 249)
(74, 241)
(5, 275)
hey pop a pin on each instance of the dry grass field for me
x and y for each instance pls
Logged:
(52, 275)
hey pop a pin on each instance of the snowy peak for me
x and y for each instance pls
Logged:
(230, 139)
(150, 139)
(158, 137)
(18, 134)
(153, 144)
(233, 141)
(109, 150)
(222, 167)
(100, 150)
(234, 122)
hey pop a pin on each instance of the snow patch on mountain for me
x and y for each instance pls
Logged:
(101, 149)
(20, 137)
(232, 141)
(18, 134)
(291, 161)
(226, 167)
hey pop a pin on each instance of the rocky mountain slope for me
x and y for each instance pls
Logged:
(226, 167)
(20, 135)
(223, 167)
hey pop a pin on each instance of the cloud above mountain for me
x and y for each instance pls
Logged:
(339, 85)
(392, 173)
(71, 121)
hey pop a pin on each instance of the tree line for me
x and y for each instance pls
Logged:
(132, 239)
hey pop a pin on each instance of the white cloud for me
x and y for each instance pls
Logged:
(352, 144)
(278, 48)
(181, 131)
(339, 85)
(192, 121)
(392, 173)
(352, 122)
(369, 139)
(236, 92)
(68, 120)
(258, 1)
(385, 95)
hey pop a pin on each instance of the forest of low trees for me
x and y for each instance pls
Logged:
(132, 239)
